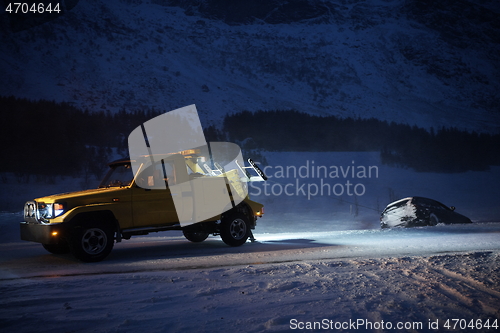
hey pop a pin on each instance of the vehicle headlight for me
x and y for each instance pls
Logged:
(50, 210)
(44, 211)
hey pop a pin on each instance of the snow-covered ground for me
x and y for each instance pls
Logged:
(322, 259)
(345, 281)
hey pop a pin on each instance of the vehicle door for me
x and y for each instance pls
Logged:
(443, 213)
(152, 203)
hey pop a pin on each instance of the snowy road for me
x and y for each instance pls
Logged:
(171, 251)
(408, 280)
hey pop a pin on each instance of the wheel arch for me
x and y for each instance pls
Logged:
(92, 235)
(86, 219)
(243, 208)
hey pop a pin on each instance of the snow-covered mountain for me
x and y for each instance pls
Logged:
(423, 62)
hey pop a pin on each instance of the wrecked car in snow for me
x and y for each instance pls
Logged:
(418, 211)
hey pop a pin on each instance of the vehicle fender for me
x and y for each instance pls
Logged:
(244, 208)
(81, 216)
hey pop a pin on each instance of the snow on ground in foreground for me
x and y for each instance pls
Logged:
(164, 283)
(264, 297)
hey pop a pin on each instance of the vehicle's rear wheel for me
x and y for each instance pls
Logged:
(92, 244)
(195, 236)
(235, 229)
(433, 219)
(62, 248)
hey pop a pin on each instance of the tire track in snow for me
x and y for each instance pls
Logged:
(488, 304)
(465, 292)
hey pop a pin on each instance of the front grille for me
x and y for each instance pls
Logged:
(30, 209)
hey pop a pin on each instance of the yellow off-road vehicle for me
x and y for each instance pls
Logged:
(87, 223)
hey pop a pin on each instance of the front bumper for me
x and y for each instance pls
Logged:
(42, 233)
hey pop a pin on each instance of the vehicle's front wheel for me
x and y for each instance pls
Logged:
(92, 244)
(235, 229)
(62, 248)
(195, 236)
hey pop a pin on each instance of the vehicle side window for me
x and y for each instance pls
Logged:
(428, 203)
(120, 175)
(156, 176)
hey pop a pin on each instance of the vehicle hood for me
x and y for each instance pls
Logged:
(95, 195)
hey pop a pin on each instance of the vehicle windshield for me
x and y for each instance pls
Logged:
(117, 176)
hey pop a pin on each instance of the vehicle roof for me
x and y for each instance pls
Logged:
(414, 199)
(398, 201)
(121, 161)
(157, 157)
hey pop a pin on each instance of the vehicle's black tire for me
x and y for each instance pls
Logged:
(433, 219)
(92, 243)
(62, 248)
(235, 229)
(195, 236)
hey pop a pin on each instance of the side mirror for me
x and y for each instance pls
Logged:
(452, 207)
